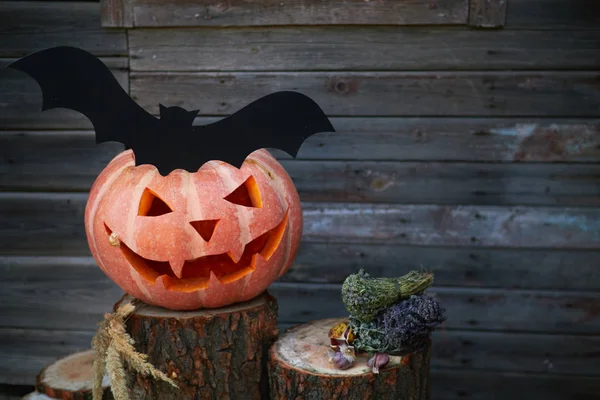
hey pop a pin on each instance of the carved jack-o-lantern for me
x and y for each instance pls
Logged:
(165, 220)
(189, 240)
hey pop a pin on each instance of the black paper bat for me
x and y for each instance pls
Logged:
(75, 79)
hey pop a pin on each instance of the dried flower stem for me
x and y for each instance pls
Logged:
(112, 344)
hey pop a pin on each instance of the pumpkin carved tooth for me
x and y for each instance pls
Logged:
(191, 275)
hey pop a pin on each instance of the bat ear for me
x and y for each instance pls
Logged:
(162, 109)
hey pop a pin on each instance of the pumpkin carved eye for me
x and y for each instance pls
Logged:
(247, 194)
(152, 206)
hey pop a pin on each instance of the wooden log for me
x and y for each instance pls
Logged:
(70, 378)
(36, 396)
(211, 354)
(299, 367)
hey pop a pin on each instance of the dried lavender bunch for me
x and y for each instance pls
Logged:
(401, 328)
(409, 323)
(364, 296)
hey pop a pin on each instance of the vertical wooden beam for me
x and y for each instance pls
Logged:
(116, 14)
(487, 13)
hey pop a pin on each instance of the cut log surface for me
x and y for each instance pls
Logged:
(299, 368)
(210, 353)
(36, 396)
(70, 378)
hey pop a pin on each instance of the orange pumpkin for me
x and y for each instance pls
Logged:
(206, 239)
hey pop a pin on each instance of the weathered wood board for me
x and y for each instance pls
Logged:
(26, 351)
(344, 48)
(485, 385)
(156, 13)
(526, 94)
(358, 139)
(52, 224)
(21, 99)
(27, 26)
(482, 309)
(453, 266)
(545, 269)
(553, 14)
(32, 349)
(487, 13)
(44, 161)
(446, 183)
(482, 144)
(75, 296)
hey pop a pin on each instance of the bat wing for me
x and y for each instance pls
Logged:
(281, 120)
(75, 79)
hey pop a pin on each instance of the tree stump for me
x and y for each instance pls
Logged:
(69, 378)
(299, 368)
(210, 353)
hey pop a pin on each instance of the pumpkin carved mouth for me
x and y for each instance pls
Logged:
(196, 273)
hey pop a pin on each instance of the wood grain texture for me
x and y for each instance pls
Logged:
(331, 263)
(485, 385)
(34, 160)
(466, 308)
(27, 26)
(116, 13)
(219, 354)
(343, 48)
(44, 161)
(455, 139)
(487, 13)
(453, 266)
(27, 351)
(156, 13)
(21, 100)
(52, 224)
(37, 299)
(299, 368)
(549, 94)
(489, 226)
(446, 183)
(553, 14)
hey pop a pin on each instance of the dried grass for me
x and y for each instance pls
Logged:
(113, 344)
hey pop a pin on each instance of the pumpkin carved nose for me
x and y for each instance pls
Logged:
(205, 228)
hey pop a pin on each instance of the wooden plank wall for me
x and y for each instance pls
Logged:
(468, 143)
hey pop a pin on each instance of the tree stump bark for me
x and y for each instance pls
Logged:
(210, 353)
(69, 378)
(299, 368)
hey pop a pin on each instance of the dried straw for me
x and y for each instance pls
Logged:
(113, 344)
